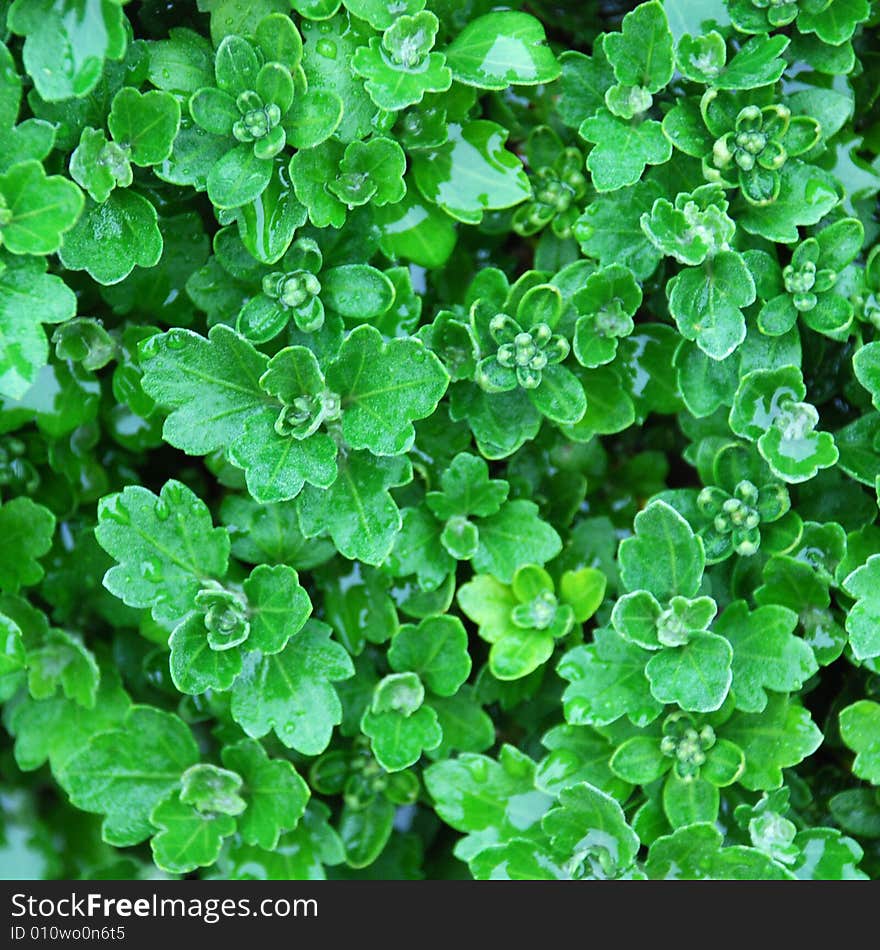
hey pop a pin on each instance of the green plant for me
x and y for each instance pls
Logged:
(417, 430)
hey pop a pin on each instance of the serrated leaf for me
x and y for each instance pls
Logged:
(766, 654)
(664, 557)
(26, 529)
(211, 385)
(357, 510)
(384, 387)
(515, 536)
(276, 795)
(291, 692)
(187, 839)
(124, 780)
(436, 649)
(166, 547)
(780, 736)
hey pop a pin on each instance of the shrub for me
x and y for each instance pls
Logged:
(440, 441)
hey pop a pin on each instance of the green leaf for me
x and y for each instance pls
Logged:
(238, 177)
(384, 387)
(696, 676)
(514, 536)
(276, 467)
(399, 69)
(65, 48)
(707, 303)
(166, 547)
(400, 728)
(621, 151)
(466, 727)
(187, 839)
(211, 789)
(291, 692)
(26, 529)
(145, 124)
(110, 239)
(357, 510)
(641, 54)
(860, 730)
(610, 229)
(488, 800)
(277, 606)
(365, 831)
(62, 660)
(607, 680)
(665, 557)
(415, 230)
(40, 209)
(687, 802)
(501, 49)
(212, 386)
(472, 172)
(195, 666)
(357, 290)
(589, 826)
(861, 621)
(182, 63)
(13, 658)
(125, 780)
(58, 728)
(639, 760)
(695, 853)
(779, 737)
(467, 490)
(806, 195)
(436, 649)
(99, 166)
(766, 654)
(275, 794)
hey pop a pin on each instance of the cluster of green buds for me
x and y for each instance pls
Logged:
(293, 290)
(756, 140)
(357, 775)
(686, 744)
(15, 469)
(307, 413)
(527, 352)
(736, 514)
(736, 518)
(260, 123)
(557, 189)
(226, 617)
(803, 279)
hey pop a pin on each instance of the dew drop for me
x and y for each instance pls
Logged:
(175, 341)
(162, 510)
(174, 494)
(327, 48)
(150, 347)
(151, 570)
(114, 510)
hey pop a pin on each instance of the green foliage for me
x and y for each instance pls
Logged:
(440, 440)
